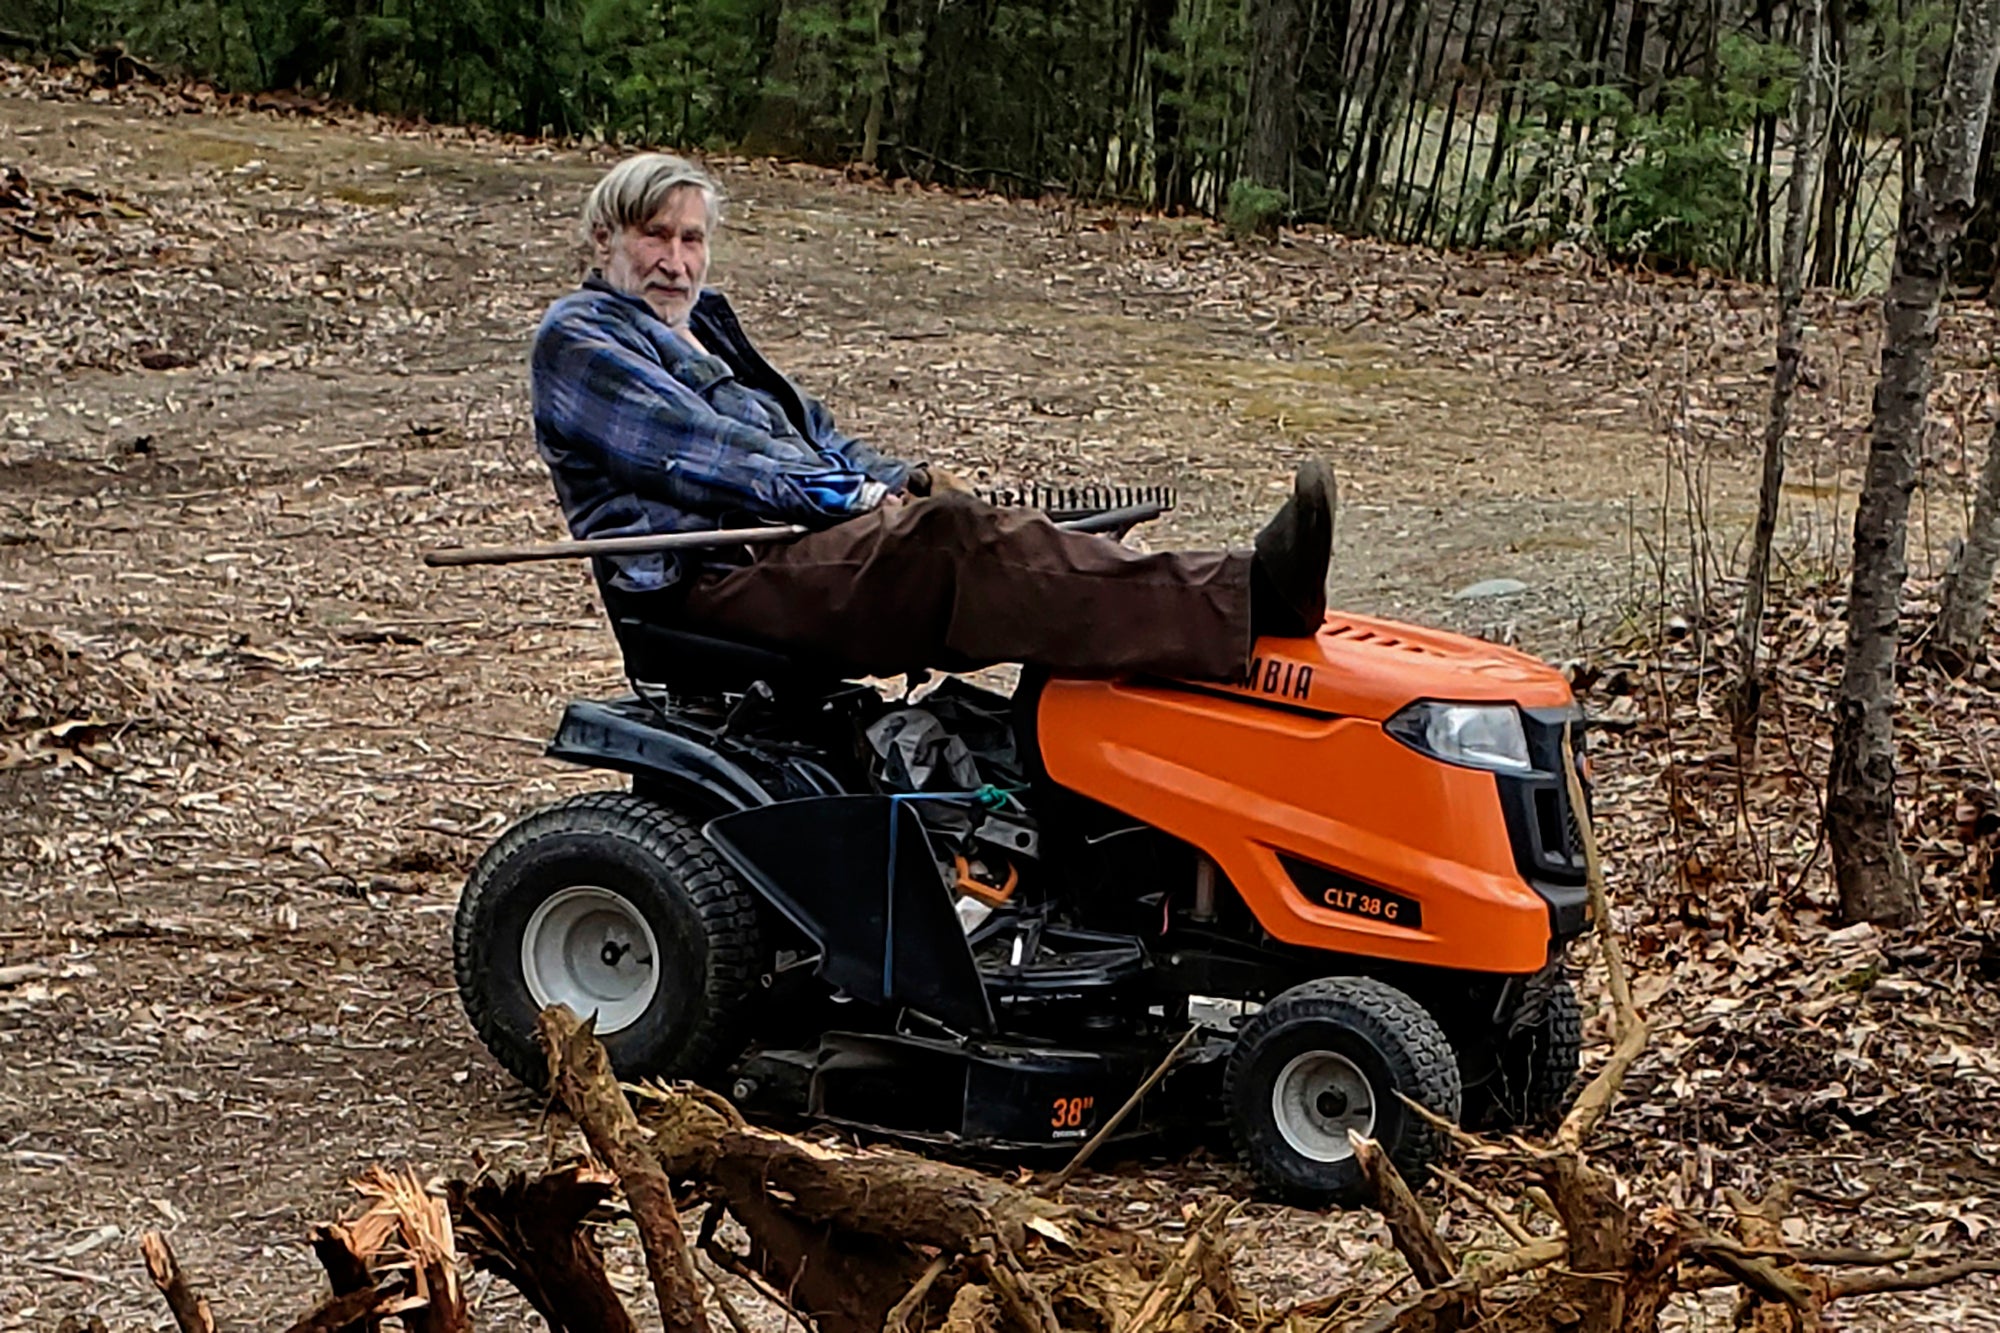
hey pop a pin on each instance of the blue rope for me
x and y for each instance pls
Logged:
(986, 797)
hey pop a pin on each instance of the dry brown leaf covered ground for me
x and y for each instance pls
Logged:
(255, 363)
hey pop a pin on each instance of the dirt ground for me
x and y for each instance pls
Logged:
(289, 740)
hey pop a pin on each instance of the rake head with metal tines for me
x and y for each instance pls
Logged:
(1066, 503)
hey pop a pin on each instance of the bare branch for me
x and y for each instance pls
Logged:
(1118, 1117)
(1416, 1239)
(913, 1299)
(1917, 1279)
(190, 1309)
(1506, 1219)
(580, 1072)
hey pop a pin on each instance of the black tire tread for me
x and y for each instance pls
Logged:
(1557, 1058)
(725, 908)
(1434, 1065)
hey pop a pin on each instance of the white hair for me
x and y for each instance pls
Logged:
(634, 190)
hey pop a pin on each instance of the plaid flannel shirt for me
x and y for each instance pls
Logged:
(643, 434)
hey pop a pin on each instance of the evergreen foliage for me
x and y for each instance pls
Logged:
(1645, 129)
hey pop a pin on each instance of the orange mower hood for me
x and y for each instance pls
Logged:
(1358, 666)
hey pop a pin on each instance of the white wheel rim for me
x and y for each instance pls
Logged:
(590, 949)
(1316, 1099)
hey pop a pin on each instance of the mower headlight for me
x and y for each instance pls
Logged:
(1488, 736)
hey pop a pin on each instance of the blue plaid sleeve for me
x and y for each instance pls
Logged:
(658, 437)
(857, 454)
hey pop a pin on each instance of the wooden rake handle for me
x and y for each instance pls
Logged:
(668, 541)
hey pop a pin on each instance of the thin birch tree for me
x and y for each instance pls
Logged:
(1968, 586)
(1809, 105)
(1873, 875)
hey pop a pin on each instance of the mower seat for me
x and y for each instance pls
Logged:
(694, 665)
(683, 662)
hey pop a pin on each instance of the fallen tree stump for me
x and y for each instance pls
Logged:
(853, 1235)
(848, 1239)
(533, 1235)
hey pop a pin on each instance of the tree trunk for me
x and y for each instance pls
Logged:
(1361, 60)
(1276, 29)
(1978, 263)
(1420, 231)
(1635, 51)
(1397, 64)
(1808, 103)
(778, 126)
(1834, 184)
(1502, 144)
(350, 82)
(871, 124)
(1416, 127)
(1874, 878)
(1486, 79)
(1969, 585)
(1169, 181)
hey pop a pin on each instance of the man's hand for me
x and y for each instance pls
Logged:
(945, 481)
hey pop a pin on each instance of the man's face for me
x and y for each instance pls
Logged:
(663, 262)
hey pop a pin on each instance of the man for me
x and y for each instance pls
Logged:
(655, 414)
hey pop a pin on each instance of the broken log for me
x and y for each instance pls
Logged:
(534, 1235)
(1183, 1275)
(343, 1312)
(1775, 1300)
(884, 1192)
(346, 1271)
(1917, 1279)
(847, 1234)
(1443, 1308)
(913, 1300)
(189, 1309)
(580, 1073)
(1494, 1207)
(410, 1226)
(1025, 1303)
(1430, 1260)
(840, 1278)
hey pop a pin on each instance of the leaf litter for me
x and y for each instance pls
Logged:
(248, 749)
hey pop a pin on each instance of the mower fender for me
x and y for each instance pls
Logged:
(606, 735)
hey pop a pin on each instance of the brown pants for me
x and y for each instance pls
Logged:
(957, 584)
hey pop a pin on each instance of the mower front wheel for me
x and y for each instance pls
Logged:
(1328, 1057)
(1528, 1073)
(617, 907)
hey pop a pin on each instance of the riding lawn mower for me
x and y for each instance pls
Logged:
(982, 919)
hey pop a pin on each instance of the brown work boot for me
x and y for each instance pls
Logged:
(1288, 587)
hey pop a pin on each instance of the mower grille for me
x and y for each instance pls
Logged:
(1547, 832)
(1374, 637)
(1561, 842)
(1542, 823)
(1572, 835)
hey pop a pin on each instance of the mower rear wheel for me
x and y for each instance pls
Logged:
(1331, 1056)
(617, 907)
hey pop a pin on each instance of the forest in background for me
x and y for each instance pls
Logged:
(1648, 131)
